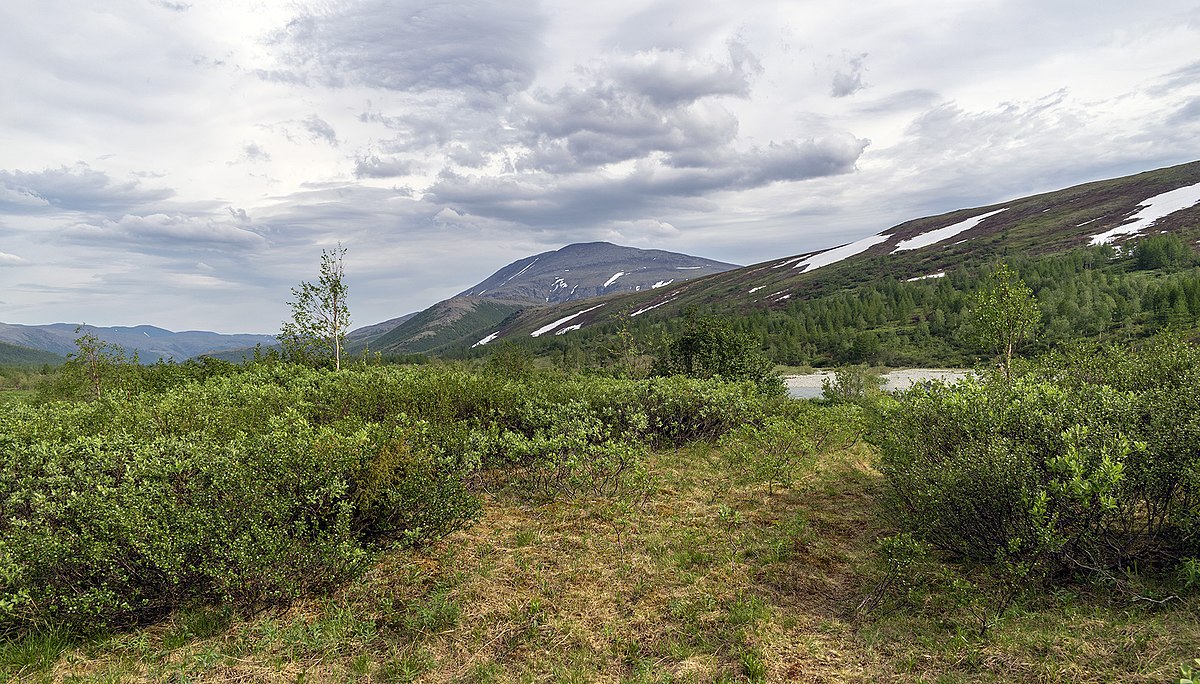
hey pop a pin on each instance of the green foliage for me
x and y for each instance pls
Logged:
(511, 361)
(1190, 674)
(784, 446)
(320, 316)
(852, 384)
(248, 485)
(1085, 462)
(1162, 252)
(711, 348)
(1004, 314)
(96, 368)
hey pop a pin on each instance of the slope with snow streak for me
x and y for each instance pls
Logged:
(485, 340)
(613, 279)
(935, 236)
(547, 328)
(832, 256)
(1152, 210)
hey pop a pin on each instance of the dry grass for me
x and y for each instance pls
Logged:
(696, 581)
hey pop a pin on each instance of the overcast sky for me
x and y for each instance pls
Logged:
(183, 164)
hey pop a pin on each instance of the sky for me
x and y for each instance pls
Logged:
(184, 164)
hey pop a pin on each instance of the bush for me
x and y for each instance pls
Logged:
(852, 384)
(711, 348)
(1086, 462)
(115, 512)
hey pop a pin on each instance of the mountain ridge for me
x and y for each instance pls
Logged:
(574, 272)
(1045, 223)
(151, 343)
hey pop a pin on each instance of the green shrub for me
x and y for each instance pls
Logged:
(1086, 463)
(116, 512)
(852, 384)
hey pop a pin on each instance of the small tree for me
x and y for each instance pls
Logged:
(320, 316)
(1004, 314)
(97, 362)
(710, 347)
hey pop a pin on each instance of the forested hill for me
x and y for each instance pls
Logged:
(894, 297)
(16, 355)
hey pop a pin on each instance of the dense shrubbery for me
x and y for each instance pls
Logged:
(249, 485)
(1084, 462)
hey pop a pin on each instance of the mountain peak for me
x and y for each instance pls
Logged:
(588, 269)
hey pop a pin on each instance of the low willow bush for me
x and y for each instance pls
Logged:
(1085, 463)
(259, 484)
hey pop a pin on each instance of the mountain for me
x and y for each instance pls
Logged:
(1116, 212)
(15, 355)
(591, 269)
(150, 343)
(572, 273)
(366, 335)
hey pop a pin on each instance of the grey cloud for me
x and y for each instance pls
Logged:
(670, 25)
(672, 77)
(77, 188)
(848, 80)
(634, 107)
(173, 6)
(907, 99)
(375, 167)
(592, 199)
(1180, 78)
(1188, 112)
(253, 153)
(319, 129)
(418, 45)
(167, 233)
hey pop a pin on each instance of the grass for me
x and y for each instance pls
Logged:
(696, 581)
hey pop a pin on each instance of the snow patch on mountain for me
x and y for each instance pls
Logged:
(547, 328)
(832, 256)
(935, 236)
(652, 306)
(613, 279)
(485, 340)
(941, 274)
(1151, 210)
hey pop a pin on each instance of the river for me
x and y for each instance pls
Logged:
(809, 386)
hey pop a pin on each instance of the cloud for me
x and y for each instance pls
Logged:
(253, 153)
(1188, 112)
(847, 80)
(159, 233)
(77, 188)
(319, 129)
(418, 45)
(672, 77)
(10, 259)
(633, 106)
(375, 167)
(549, 201)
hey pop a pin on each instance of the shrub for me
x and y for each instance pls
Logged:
(115, 512)
(711, 348)
(1087, 462)
(852, 384)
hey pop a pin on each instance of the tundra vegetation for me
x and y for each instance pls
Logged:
(671, 517)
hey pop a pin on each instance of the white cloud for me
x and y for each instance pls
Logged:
(156, 149)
